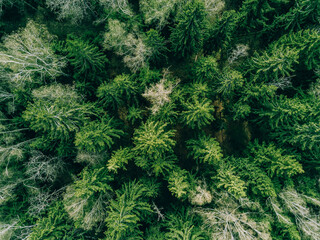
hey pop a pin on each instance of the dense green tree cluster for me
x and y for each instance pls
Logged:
(160, 119)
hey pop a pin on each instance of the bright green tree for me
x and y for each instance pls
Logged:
(126, 211)
(198, 113)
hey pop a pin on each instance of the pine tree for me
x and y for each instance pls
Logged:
(221, 33)
(206, 69)
(274, 160)
(154, 147)
(181, 226)
(230, 181)
(126, 211)
(115, 93)
(273, 65)
(97, 136)
(205, 149)
(86, 199)
(187, 36)
(119, 159)
(198, 113)
(85, 57)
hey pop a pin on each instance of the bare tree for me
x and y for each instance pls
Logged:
(28, 55)
(307, 221)
(159, 93)
(232, 219)
(128, 45)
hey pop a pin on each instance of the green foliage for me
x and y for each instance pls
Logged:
(85, 57)
(274, 160)
(119, 159)
(158, 45)
(304, 12)
(115, 93)
(198, 113)
(178, 183)
(58, 120)
(54, 226)
(97, 136)
(229, 83)
(221, 33)
(256, 179)
(152, 140)
(86, 199)
(206, 69)
(180, 225)
(126, 211)
(307, 42)
(283, 112)
(187, 36)
(228, 180)
(274, 65)
(205, 149)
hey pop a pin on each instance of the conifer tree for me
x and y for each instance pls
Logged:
(187, 36)
(126, 211)
(198, 113)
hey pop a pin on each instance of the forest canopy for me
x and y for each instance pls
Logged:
(160, 119)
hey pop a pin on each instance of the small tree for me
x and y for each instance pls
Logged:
(198, 113)
(158, 94)
(205, 149)
(126, 211)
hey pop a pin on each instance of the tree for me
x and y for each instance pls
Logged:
(296, 204)
(119, 159)
(257, 181)
(230, 181)
(187, 36)
(198, 113)
(222, 31)
(129, 45)
(157, 44)
(158, 94)
(206, 69)
(308, 43)
(29, 57)
(284, 112)
(86, 58)
(97, 136)
(153, 147)
(56, 119)
(274, 160)
(229, 83)
(277, 63)
(121, 6)
(181, 226)
(55, 225)
(157, 12)
(178, 183)
(115, 93)
(205, 149)
(125, 212)
(302, 13)
(152, 140)
(74, 10)
(86, 199)
(232, 219)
